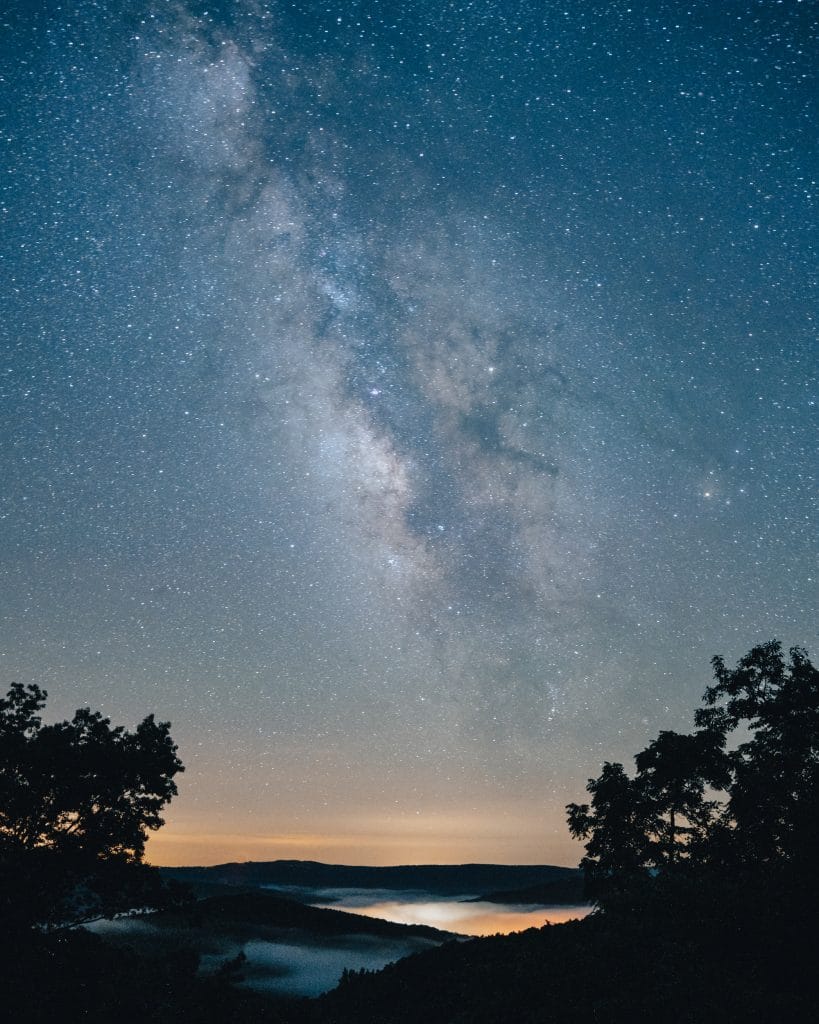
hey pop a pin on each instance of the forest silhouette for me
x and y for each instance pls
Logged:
(701, 862)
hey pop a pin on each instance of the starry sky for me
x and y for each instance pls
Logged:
(404, 399)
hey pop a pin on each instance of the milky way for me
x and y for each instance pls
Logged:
(408, 400)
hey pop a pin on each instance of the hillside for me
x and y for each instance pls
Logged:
(437, 879)
(262, 914)
(562, 891)
(275, 946)
(692, 959)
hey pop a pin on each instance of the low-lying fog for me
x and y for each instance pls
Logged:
(307, 970)
(452, 914)
(305, 964)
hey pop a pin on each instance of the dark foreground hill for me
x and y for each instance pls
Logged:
(438, 879)
(184, 964)
(715, 954)
(710, 956)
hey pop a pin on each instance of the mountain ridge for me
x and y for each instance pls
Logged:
(441, 879)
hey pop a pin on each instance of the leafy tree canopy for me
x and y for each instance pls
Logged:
(670, 816)
(77, 801)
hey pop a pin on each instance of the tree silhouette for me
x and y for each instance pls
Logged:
(674, 771)
(77, 800)
(618, 825)
(773, 810)
(660, 821)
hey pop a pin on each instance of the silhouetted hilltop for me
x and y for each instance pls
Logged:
(440, 879)
(566, 891)
(260, 942)
(681, 958)
(256, 913)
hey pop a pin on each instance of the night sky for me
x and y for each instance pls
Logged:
(404, 399)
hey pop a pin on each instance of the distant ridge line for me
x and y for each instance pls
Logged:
(445, 879)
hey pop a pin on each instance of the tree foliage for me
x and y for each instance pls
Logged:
(773, 809)
(617, 825)
(674, 772)
(77, 801)
(696, 802)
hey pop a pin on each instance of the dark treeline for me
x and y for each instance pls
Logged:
(702, 862)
